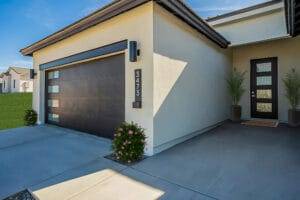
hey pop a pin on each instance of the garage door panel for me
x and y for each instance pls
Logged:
(96, 89)
(109, 108)
(91, 96)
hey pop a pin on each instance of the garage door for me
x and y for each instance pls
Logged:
(88, 97)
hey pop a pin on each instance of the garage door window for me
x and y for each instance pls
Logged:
(53, 117)
(53, 75)
(53, 89)
(54, 103)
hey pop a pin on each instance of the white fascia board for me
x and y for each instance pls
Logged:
(241, 16)
(287, 36)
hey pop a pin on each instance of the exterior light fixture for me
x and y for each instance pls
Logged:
(133, 51)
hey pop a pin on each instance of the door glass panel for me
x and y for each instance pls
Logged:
(264, 67)
(264, 80)
(264, 107)
(264, 94)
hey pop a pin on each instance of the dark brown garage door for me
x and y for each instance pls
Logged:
(89, 97)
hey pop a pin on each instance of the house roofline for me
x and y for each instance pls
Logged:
(117, 7)
(292, 10)
(243, 10)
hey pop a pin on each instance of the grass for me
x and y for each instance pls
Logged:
(12, 109)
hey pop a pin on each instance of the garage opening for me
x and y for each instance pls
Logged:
(88, 97)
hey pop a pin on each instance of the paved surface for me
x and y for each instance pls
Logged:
(230, 162)
(234, 162)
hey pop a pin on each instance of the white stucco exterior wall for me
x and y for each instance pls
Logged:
(189, 87)
(137, 25)
(253, 27)
(6, 84)
(19, 79)
(15, 77)
(287, 51)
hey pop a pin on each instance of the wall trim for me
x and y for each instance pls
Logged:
(100, 51)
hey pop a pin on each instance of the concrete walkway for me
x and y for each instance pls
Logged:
(230, 162)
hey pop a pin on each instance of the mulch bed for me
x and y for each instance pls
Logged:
(114, 158)
(23, 195)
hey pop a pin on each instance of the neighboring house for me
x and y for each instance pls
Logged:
(16, 79)
(88, 78)
(1, 79)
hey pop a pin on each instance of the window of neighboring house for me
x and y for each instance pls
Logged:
(3, 84)
(14, 83)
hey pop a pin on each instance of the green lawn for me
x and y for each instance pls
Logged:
(12, 109)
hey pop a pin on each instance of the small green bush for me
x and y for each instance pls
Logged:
(129, 143)
(30, 117)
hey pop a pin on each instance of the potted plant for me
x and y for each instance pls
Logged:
(292, 88)
(236, 91)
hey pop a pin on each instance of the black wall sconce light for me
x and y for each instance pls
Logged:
(32, 74)
(134, 52)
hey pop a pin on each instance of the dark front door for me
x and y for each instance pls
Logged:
(263, 92)
(88, 97)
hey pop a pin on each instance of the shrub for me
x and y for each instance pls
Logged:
(292, 88)
(30, 117)
(235, 86)
(129, 143)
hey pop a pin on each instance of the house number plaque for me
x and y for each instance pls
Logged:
(138, 88)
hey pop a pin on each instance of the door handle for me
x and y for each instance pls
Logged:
(253, 94)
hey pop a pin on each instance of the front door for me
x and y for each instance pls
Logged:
(263, 92)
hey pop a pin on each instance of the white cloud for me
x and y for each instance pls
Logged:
(216, 8)
(21, 63)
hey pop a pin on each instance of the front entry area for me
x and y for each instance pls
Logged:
(88, 97)
(264, 89)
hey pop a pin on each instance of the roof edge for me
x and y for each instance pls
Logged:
(243, 10)
(117, 7)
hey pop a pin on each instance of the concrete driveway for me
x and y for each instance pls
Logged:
(57, 163)
(234, 162)
(230, 162)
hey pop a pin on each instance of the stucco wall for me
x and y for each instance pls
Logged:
(267, 26)
(14, 77)
(287, 51)
(137, 25)
(7, 85)
(189, 81)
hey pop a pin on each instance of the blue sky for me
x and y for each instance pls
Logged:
(23, 22)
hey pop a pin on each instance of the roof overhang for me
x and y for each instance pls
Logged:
(117, 7)
(246, 12)
(292, 10)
